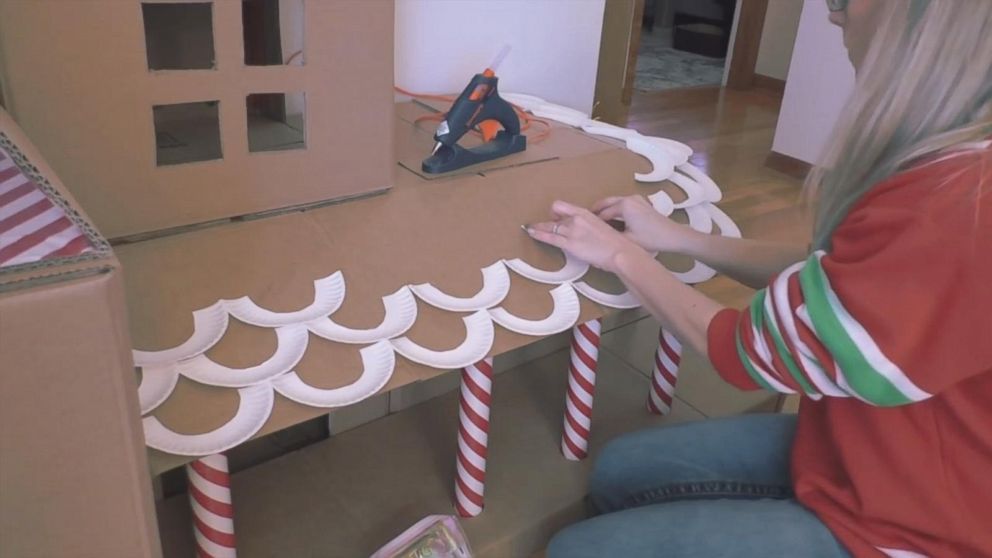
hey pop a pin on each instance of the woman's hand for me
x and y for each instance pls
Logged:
(646, 227)
(583, 235)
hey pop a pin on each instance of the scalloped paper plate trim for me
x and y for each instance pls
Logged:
(622, 301)
(609, 131)
(723, 221)
(253, 410)
(699, 273)
(700, 218)
(479, 334)
(329, 293)
(662, 203)
(561, 114)
(157, 384)
(522, 100)
(711, 192)
(694, 192)
(573, 270)
(401, 313)
(676, 149)
(662, 163)
(378, 363)
(291, 345)
(563, 316)
(495, 287)
(209, 325)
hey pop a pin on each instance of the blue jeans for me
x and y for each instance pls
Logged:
(713, 488)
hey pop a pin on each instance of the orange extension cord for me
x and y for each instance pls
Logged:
(525, 118)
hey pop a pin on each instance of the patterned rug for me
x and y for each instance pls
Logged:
(659, 66)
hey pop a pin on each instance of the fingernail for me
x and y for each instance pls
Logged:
(526, 228)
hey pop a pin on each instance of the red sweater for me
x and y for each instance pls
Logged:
(888, 336)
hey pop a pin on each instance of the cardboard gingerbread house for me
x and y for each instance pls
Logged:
(169, 114)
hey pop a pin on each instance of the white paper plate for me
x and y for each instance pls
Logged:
(209, 325)
(401, 313)
(253, 411)
(495, 286)
(329, 293)
(157, 384)
(622, 301)
(572, 270)
(563, 316)
(291, 345)
(378, 363)
(662, 163)
(478, 341)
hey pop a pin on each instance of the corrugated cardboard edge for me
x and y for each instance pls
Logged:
(33, 165)
(38, 299)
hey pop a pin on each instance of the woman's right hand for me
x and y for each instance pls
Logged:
(646, 227)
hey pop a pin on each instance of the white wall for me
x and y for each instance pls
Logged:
(778, 35)
(820, 80)
(441, 44)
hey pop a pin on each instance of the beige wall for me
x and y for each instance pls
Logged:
(778, 37)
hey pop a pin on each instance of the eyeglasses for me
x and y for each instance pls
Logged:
(837, 5)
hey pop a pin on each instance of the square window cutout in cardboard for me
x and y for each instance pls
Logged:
(276, 121)
(187, 132)
(273, 32)
(179, 36)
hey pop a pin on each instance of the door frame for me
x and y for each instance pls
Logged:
(749, 23)
(621, 39)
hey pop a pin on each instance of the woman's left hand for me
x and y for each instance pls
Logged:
(583, 235)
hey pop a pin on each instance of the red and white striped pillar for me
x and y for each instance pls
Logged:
(581, 388)
(473, 438)
(666, 373)
(213, 514)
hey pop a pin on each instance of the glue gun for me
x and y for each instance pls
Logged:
(478, 105)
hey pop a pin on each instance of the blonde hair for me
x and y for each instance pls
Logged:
(925, 86)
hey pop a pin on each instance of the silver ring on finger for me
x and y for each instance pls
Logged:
(554, 229)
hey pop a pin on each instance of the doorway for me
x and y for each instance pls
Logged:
(653, 46)
(684, 43)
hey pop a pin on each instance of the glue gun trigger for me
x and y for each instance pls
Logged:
(489, 129)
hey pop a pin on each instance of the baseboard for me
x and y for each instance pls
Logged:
(769, 83)
(788, 165)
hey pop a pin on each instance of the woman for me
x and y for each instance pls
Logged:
(885, 326)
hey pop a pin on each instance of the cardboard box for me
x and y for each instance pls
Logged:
(73, 469)
(83, 80)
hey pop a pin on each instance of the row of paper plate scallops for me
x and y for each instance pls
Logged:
(256, 385)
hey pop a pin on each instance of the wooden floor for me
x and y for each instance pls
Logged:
(295, 505)
(731, 133)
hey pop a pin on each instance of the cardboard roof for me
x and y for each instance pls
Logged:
(438, 231)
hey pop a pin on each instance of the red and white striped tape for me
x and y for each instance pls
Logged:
(473, 437)
(666, 373)
(581, 388)
(32, 228)
(213, 514)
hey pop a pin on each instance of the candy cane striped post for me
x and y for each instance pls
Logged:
(666, 373)
(213, 514)
(473, 437)
(581, 387)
